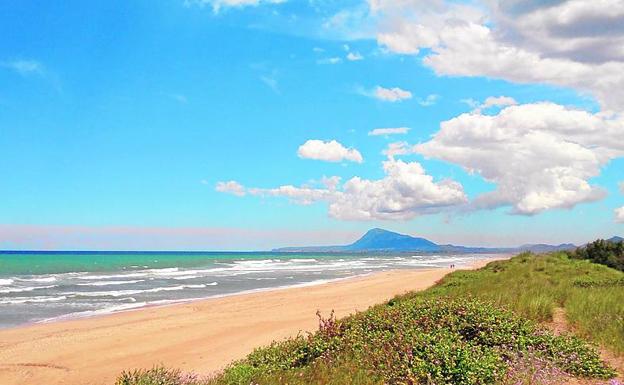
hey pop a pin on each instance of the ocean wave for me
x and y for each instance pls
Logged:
(110, 276)
(110, 283)
(163, 302)
(121, 293)
(88, 313)
(24, 289)
(43, 280)
(7, 281)
(186, 277)
(20, 300)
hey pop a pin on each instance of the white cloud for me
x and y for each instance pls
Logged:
(397, 148)
(499, 101)
(404, 193)
(329, 60)
(331, 183)
(395, 94)
(24, 67)
(577, 44)
(430, 100)
(579, 30)
(619, 215)
(217, 5)
(354, 56)
(330, 151)
(621, 186)
(231, 187)
(389, 131)
(540, 156)
(492, 101)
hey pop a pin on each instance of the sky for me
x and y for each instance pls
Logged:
(253, 124)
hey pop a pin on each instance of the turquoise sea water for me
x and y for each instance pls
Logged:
(40, 287)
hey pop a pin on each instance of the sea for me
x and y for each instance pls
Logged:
(49, 286)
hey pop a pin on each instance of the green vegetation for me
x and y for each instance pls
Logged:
(606, 253)
(533, 286)
(444, 335)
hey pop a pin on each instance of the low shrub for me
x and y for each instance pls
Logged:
(425, 341)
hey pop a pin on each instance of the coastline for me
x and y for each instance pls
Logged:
(200, 335)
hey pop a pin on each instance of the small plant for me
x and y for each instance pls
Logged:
(157, 376)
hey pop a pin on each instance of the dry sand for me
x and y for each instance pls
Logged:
(202, 336)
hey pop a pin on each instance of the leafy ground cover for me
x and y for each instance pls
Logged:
(532, 286)
(474, 327)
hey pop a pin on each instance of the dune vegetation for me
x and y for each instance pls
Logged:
(474, 327)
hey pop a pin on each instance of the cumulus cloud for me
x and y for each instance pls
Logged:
(330, 151)
(499, 101)
(397, 148)
(231, 187)
(490, 102)
(389, 131)
(577, 44)
(541, 156)
(404, 193)
(619, 215)
(579, 30)
(395, 94)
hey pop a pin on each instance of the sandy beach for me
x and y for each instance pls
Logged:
(201, 336)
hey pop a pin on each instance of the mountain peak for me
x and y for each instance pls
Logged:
(385, 240)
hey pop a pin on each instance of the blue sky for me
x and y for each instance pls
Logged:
(119, 120)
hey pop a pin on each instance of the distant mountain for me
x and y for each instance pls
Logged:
(616, 239)
(544, 248)
(380, 240)
(377, 240)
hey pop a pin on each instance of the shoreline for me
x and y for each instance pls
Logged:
(177, 302)
(201, 336)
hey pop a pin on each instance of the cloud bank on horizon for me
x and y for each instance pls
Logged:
(539, 156)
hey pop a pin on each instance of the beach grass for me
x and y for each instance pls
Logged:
(473, 327)
(532, 286)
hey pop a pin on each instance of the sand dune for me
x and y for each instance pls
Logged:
(201, 336)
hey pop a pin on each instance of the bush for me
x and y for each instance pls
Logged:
(156, 376)
(606, 253)
(425, 341)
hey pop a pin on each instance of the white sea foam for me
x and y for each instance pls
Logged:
(186, 277)
(42, 279)
(120, 293)
(41, 299)
(24, 289)
(88, 313)
(111, 276)
(7, 281)
(137, 305)
(110, 283)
